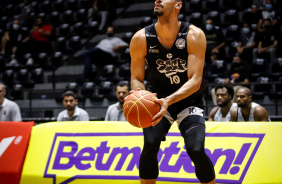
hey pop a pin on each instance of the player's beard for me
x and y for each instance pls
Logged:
(158, 13)
(224, 103)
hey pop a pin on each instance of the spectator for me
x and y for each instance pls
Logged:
(224, 94)
(72, 112)
(238, 75)
(9, 110)
(104, 53)
(215, 40)
(268, 13)
(248, 110)
(27, 14)
(39, 40)
(247, 42)
(11, 39)
(267, 44)
(115, 111)
(104, 11)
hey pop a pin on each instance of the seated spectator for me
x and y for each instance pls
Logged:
(268, 13)
(72, 112)
(11, 40)
(39, 40)
(105, 52)
(247, 42)
(238, 75)
(267, 43)
(9, 110)
(258, 4)
(115, 111)
(215, 40)
(248, 110)
(224, 94)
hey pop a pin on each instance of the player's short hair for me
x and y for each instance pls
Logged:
(123, 83)
(69, 93)
(4, 86)
(229, 88)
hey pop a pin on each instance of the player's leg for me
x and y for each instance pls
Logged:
(148, 163)
(193, 131)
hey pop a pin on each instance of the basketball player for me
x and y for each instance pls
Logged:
(224, 94)
(175, 54)
(248, 110)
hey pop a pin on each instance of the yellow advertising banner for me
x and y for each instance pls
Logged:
(108, 152)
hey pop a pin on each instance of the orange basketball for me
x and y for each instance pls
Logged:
(139, 108)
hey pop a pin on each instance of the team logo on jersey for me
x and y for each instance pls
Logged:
(180, 43)
(171, 68)
(169, 55)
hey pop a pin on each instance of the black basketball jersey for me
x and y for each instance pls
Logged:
(167, 68)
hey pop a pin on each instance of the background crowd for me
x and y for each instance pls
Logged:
(39, 37)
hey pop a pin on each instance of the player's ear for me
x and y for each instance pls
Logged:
(178, 5)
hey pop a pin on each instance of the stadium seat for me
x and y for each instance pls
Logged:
(146, 21)
(16, 92)
(74, 43)
(37, 75)
(217, 70)
(232, 33)
(8, 77)
(57, 59)
(45, 7)
(276, 69)
(87, 90)
(230, 17)
(22, 78)
(71, 4)
(259, 68)
(68, 16)
(106, 88)
(64, 29)
(195, 5)
(73, 86)
(279, 86)
(196, 18)
(215, 16)
(209, 5)
(58, 5)
(54, 18)
(3, 22)
(81, 15)
(124, 71)
(262, 87)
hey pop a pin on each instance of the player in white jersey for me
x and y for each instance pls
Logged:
(248, 110)
(224, 94)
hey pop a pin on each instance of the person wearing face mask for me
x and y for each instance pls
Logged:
(267, 44)
(215, 41)
(238, 75)
(247, 42)
(10, 41)
(268, 13)
(104, 53)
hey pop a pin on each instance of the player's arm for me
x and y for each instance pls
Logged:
(233, 114)
(196, 42)
(137, 49)
(260, 114)
(212, 113)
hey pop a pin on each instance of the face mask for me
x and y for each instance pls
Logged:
(209, 27)
(246, 30)
(110, 34)
(268, 6)
(16, 26)
(236, 64)
(267, 27)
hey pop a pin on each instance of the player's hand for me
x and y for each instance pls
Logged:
(138, 89)
(164, 105)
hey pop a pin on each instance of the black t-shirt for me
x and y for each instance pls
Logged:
(267, 39)
(167, 68)
(239, 73)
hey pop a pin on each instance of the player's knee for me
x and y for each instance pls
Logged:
(151, 147)
(195, 152)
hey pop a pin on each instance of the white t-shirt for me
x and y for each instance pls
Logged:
(10, 111)
(109, 43)
(115, 113)
(78, 115)
(251, 116)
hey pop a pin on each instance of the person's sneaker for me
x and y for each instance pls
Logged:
(29, 61)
